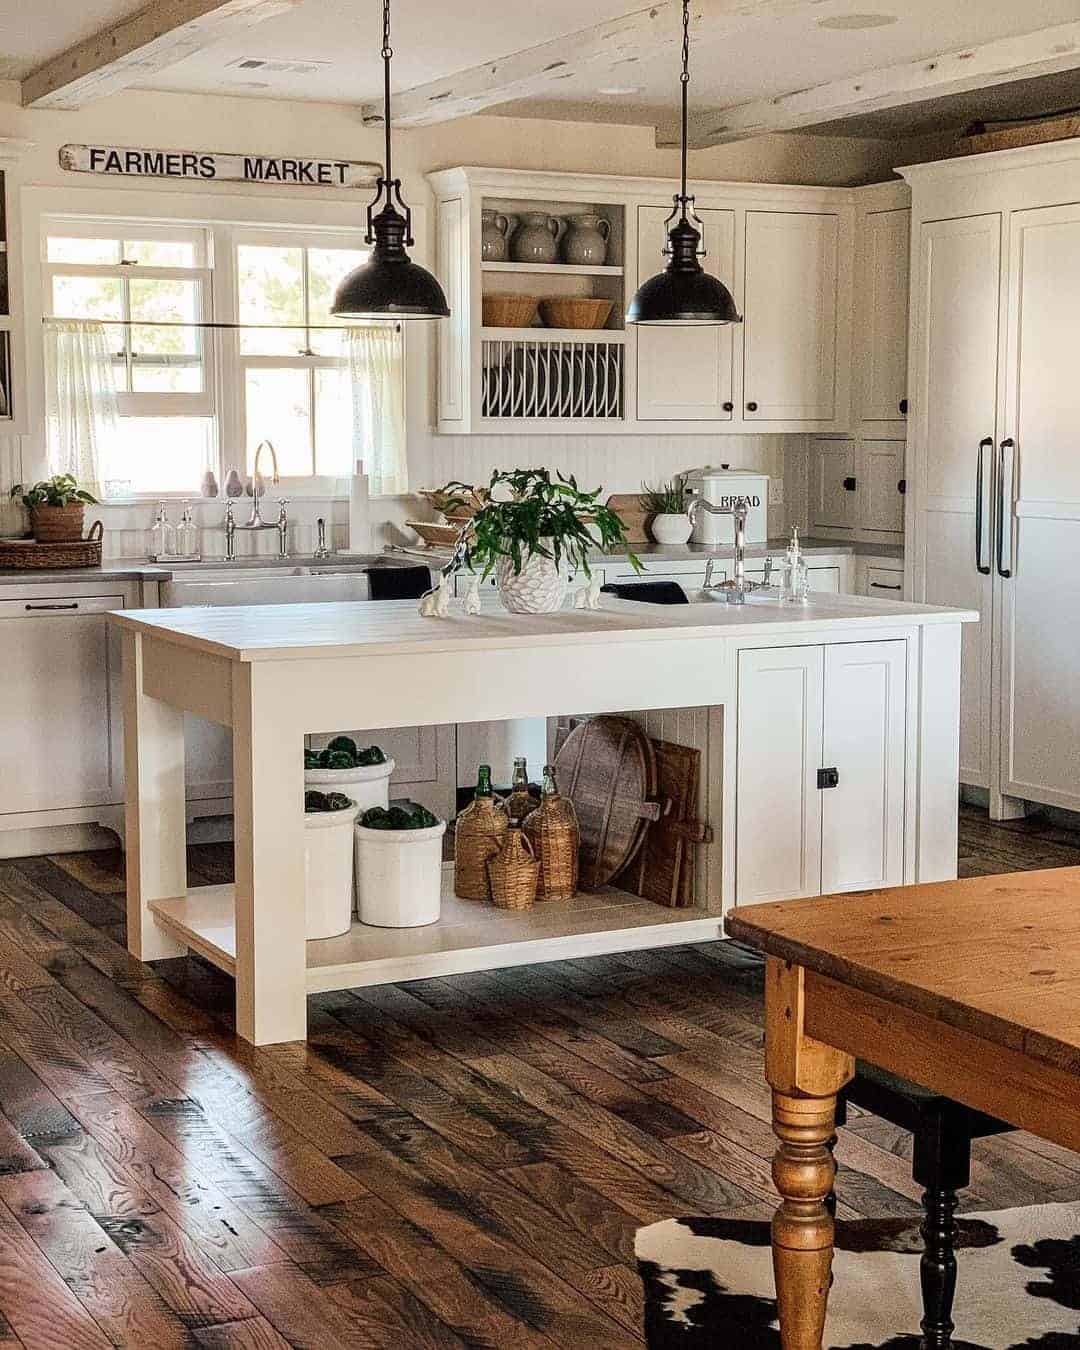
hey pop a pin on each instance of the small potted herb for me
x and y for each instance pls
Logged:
(364, 774)
(666, 504)
(328, 862)
(57, 508)
(531, 533)
(399, 866)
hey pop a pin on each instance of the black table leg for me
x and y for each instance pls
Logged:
(937, 1269)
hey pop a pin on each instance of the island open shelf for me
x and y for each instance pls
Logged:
(469, 936)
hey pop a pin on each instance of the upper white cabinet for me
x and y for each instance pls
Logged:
(786, 253)
(688, 373)
(791, 325)
(881, 324)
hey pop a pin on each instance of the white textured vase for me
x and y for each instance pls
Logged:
(539, 588)
(671, 528)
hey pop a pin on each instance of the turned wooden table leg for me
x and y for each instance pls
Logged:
(805, 1076)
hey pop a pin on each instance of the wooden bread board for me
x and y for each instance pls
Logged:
(628, 508)
(663, 870)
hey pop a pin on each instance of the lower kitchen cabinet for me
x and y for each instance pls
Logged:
(820, 769)
(61, 726)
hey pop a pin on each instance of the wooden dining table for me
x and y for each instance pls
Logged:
(969, 988)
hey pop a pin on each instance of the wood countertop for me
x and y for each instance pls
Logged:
(998, 957)
(296, 632)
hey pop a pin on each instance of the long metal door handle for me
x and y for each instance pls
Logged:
(73, 605)
(986, 443)
(1004, 519)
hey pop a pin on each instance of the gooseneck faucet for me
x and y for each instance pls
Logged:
(739, 586)
(255, 521)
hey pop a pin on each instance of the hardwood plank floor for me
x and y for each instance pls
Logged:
(446, 1163)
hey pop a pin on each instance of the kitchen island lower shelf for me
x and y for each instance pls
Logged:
(469, 936)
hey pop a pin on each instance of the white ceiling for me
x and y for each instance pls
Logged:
(433, 38)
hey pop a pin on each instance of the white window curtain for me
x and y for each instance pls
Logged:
(377, 370)
(80, 400)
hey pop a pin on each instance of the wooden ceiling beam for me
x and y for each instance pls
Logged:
(158, 36)
(1045, 52)
(612, 48)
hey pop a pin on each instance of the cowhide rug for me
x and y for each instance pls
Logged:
(709, 1283)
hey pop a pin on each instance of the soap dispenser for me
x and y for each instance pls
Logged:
(187, 536)
(162, 536)
(795, 580)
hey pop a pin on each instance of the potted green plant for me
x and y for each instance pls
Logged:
(666, 505)
(399, 866)
(57, 508)
(531, 532)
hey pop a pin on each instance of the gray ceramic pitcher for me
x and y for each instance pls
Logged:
(586, 240)
(534, 239)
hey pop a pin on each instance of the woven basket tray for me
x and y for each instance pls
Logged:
(26, 555)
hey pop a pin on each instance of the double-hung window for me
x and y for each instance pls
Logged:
(151, 286)
(294, 368)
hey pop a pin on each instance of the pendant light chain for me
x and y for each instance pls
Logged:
(387, 57)
(685, 79)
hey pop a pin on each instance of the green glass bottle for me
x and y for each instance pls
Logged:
(483, 782)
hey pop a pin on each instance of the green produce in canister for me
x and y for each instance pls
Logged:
(345, 743)
(316, 801)
(398, 818)
(312, 759)
(371, 756)
(339, 759)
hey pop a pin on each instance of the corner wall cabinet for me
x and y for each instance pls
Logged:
(995, 476)
(786, 253)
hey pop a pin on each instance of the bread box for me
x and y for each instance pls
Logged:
(724, 487)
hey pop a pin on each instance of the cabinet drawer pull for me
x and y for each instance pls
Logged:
(728, 406)
(850, 484)
(828, 778)
(903, 407)
(901, 487)
(884, 586)
(74, 604)
(751, 407)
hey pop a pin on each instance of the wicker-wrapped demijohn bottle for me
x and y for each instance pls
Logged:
(521, 801)
(478, 835)
(552, 829)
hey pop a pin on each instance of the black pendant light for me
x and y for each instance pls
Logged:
(389, 285)
(683, 293)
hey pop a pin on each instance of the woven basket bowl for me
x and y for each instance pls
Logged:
(575, 312)
(508, 311)
(58, 524)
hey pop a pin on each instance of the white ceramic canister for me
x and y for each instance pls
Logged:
(399, 876)
(328, 871)
(367, 784)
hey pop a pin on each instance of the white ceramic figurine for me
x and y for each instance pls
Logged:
(435, 604)
(472, 597)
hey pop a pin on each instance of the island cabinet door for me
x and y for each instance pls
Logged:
(862, 816)
(778, 803)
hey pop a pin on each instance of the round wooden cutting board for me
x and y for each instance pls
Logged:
(607, 767)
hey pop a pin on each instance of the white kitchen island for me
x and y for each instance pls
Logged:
(869, 689)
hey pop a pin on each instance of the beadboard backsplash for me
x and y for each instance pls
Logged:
(618, 464)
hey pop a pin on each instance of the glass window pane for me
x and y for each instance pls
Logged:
(270, 280)
(148, 378)
(62, 249)
(333, 423)
(159, 454)
(171, 302)
(158, 253)
(278, 404)
(89, 298)
(327, 268)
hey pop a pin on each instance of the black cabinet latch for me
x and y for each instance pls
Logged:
(850, 484)
(828, 778)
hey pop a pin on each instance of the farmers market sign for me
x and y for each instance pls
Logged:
(206, 166)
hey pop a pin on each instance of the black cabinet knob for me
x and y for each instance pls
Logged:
(850, 484)
(751, 407)
(903, 407)
(901, 487)
(729, 406)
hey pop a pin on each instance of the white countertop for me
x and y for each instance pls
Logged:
(297, 632)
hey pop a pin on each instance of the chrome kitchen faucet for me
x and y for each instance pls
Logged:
(255, 521)
(739, 586)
